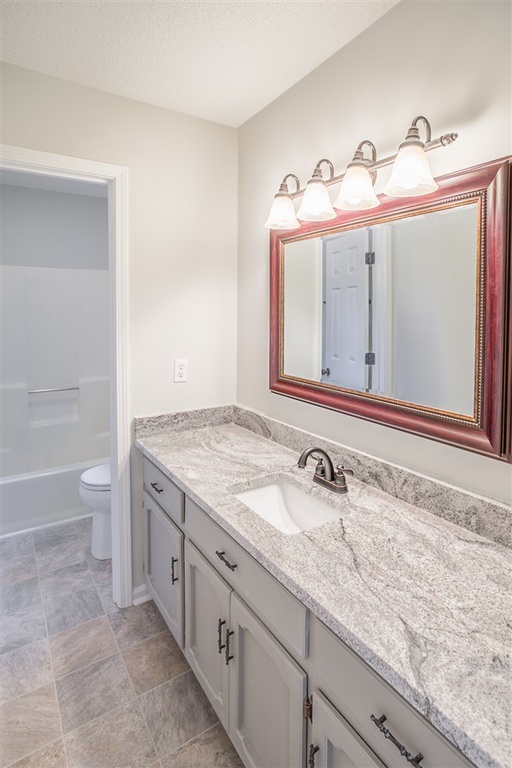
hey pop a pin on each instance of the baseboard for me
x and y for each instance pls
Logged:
(140, 595)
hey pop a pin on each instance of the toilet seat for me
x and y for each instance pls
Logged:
(97, 478)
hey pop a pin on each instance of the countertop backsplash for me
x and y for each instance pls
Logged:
(485, 517)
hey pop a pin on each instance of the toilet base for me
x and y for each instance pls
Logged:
(101, 545)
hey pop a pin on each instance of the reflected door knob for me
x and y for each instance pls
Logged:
(326, 371)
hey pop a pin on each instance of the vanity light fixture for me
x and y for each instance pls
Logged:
(282, 213)
(356, 191)
(410, 177)
(316, 203)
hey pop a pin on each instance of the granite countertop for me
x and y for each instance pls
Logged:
(439, 596)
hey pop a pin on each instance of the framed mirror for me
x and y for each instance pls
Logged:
(401, 315)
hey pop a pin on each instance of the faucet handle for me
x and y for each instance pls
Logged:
(340, 469)
(320, 466)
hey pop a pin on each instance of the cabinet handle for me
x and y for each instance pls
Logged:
(220, 644)
(226, 562)
(414, 761)
(156, 488)
(174, 578)
(229, 632)
(312, 752)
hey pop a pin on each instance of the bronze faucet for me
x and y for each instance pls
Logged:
(325, 474)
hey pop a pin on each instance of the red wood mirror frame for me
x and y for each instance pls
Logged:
(488, 430)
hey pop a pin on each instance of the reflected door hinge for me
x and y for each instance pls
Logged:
(369, 258)
(307, 708)
(369, 358)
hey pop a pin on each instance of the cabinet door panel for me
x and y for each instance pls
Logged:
(207, 603)
(164, 566)
(339, 744)
(267, 689)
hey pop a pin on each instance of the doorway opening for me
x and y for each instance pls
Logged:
(32, 164)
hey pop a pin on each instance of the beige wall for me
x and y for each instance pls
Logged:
(450, 61)
(182, 178)
(182, 241)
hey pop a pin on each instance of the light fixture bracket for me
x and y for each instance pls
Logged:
(371, 163)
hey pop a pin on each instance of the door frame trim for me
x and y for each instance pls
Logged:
(116, 177)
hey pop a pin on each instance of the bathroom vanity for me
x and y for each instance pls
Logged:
(376, 639)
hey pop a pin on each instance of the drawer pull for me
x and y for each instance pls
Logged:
(174, 578)
(220, 644)
(229, 632)
(156, 488)
(312, 752)
(414, 761)
(220, 555)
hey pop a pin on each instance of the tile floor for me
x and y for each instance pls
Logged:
(84, 684)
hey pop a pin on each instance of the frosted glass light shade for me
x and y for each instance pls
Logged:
(282, 213)
(356, 191)
(411, 174)
(316, 203)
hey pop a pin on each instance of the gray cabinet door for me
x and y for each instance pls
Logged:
(163, 566)
(339, 746)
(267, 689)
(207, 622)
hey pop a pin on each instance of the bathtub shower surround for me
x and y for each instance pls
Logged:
(482, 516)
(32, 499)
(55, 352)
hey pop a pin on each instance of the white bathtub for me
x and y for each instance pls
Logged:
(39, 498)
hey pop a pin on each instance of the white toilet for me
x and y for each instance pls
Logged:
(94, 491)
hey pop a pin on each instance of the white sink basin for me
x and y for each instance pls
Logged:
(286, 507)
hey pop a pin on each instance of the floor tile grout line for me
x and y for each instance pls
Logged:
(137, 698)
(160, 685)
(86, 666)
(23, 647)
(53, 670)
(189, 741)
(34, 752)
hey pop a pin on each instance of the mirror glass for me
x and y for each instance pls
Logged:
(388, 309)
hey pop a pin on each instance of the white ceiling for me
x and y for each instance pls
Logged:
(222, 60)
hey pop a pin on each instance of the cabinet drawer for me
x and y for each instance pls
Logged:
(165, 493)
(358, 693)
(285, 616)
